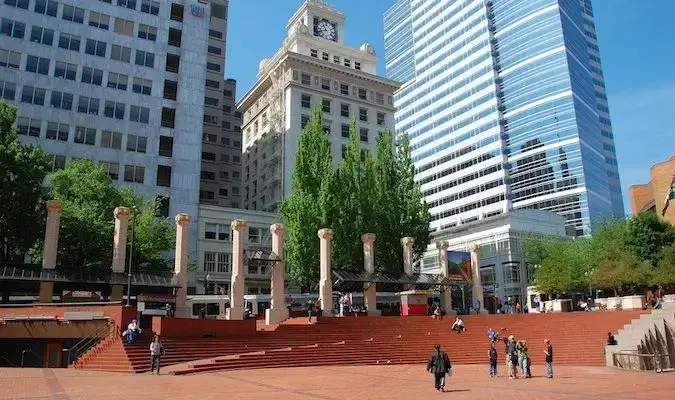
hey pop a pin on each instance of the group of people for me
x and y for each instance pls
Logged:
(312, 308)
(156, 347)
(517, 356)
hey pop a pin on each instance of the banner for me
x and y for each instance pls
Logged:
(459, 265)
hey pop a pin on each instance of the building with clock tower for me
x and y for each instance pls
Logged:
(313, 67)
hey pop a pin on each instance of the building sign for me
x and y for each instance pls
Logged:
(197, 10)
(80, 296)
(156, 298)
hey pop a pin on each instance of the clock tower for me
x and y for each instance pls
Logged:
(322, 21)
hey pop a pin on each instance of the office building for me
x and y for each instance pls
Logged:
(657, 196)
(505, 107)
(313, 67)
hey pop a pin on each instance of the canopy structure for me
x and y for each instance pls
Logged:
(88, 275)
(261, 258)
(353, 281)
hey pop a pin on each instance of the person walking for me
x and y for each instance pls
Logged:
(513, 357)
(492, 356)
(156, 352)
(548, 351)
(439, 365)
(317, 308)
(310, 309)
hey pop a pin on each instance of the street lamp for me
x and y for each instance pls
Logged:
(131, 253)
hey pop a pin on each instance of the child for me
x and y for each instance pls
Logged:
(492, 355)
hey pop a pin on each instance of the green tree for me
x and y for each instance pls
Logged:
(647, 235)
(664, 274)
(22, 172)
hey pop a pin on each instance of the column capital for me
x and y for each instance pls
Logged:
(182, 219)
(474, 248)
(368, 238)
(442, 245)
(325, 233)
(238, 225)
(408, 241)
(54, 205)
(277, 229)
(121, 212)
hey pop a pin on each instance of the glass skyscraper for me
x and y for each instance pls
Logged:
(505, 107)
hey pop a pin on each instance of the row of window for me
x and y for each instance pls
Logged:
(306, 102)
(222, 232)
(336, 59)
(131, 173)
(344, 128)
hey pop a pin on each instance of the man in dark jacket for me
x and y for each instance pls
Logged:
(439, 365)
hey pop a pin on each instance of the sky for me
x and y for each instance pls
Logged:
(636, 40)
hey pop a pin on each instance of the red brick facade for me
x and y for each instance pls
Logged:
(654, 192)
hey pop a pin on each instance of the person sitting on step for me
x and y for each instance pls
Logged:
(458, 325)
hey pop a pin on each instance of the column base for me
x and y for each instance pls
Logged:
(117, 293)
(235, 313)
(182, 312)
(327, 313)
(374, 313)
(275, 315)
(46, 292)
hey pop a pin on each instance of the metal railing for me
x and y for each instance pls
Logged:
(23, 355)
(107, 330)
(632, 360)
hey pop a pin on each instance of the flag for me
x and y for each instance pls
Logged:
(670, 195)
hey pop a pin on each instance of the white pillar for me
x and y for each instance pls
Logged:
(237, 303)
(326, 281)
(408, 243)
(278, 311)
(446, 296)
(180, 264)
(369, 289)
(120, 238)
(477, 288)
(51, 245)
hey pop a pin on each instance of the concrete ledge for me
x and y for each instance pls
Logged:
(196, 328)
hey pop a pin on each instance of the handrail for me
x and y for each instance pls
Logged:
(633, 360)
(107, 330)
(8, 361)
(23, 354)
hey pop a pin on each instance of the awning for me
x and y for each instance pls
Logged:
(157, 279)
(420, 280)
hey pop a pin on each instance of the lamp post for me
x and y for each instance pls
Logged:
(131, 253)
(206, 283)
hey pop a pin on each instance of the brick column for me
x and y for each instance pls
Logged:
(477, 288)
(446, 295)
(237, 303)
(181, 264)
(51, 245)
(369, 289)
(325, 281)
(278, 311)
(119, 248)
(408, 243)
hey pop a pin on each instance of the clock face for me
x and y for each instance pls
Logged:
(325, 29)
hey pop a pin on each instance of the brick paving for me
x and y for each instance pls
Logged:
(333, 383)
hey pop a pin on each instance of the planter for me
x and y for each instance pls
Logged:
(560, 305)
(636, 302)
(669, 298)
(612, 302)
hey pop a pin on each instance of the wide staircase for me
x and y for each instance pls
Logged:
(577, 338)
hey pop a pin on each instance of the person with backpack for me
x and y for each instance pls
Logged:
(156, 352)
(439, 365)
(492, 355)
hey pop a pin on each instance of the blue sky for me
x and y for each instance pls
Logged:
(636, 46)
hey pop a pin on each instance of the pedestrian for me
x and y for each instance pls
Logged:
(513, 358)
(310, 309)
(156, 352)
(548, 351)
(507, 357)
(658, 295)
(439, 365)
(317, 308)
(132, 332)
(492, 355)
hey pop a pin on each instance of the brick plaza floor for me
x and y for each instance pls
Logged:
(333, 383)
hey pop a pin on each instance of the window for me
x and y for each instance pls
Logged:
(313, 53)
(58, 162)
(7, 90)
(306, 101)
(210, 119)
(71, 13)
(150, 7)
(487, 276)
(166, 146)
(85, 135)
(363, 134)
(325, 83)
(147, 32)
(175, 37)
(10, 59)
(254, 235)
(324, 56)
(170, 89)
(363, 114)
(228, 93)
(137, 143)
(168, 117)
(325, 105)
(236, 174)
(46, 7)
(209, 266)
(363, 94)
(306, 79)
(87, 105)
(222, 192)
(215, 34)
(117, 81)
(211, 101)
(69, 42)
(326, 126)
(208, 156)
(33, 95)
(61, 100)
(177, 12)
(236, 160)
(511, 272)
(215, 50)
(140, 114)
(344, 110)
(114, 110)
(213, 67)
(212, 84)
(143, 86)
(208, 175)
(42, 35)
(348, 63)
(112, 168)
(380, 118)
(217, 232)
(345, 131)
(29, 126)
(56, 131)
(235, 190)
(163, 175)
(379, 98)
(145, 58)
(344, 151)
(357, 65)
(38, 65)
(111, 140)
(124, 26)
(18, 3)
(12, 28)
(120, 53)
(304, 120)
(225, 157)
(336, 59)
(99, 20)
(95, 47)
(65, 70)
(91, 75)
(344, 89)
(131, 4)
(133, 173)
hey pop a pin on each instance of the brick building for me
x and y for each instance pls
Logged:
(652, 196)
